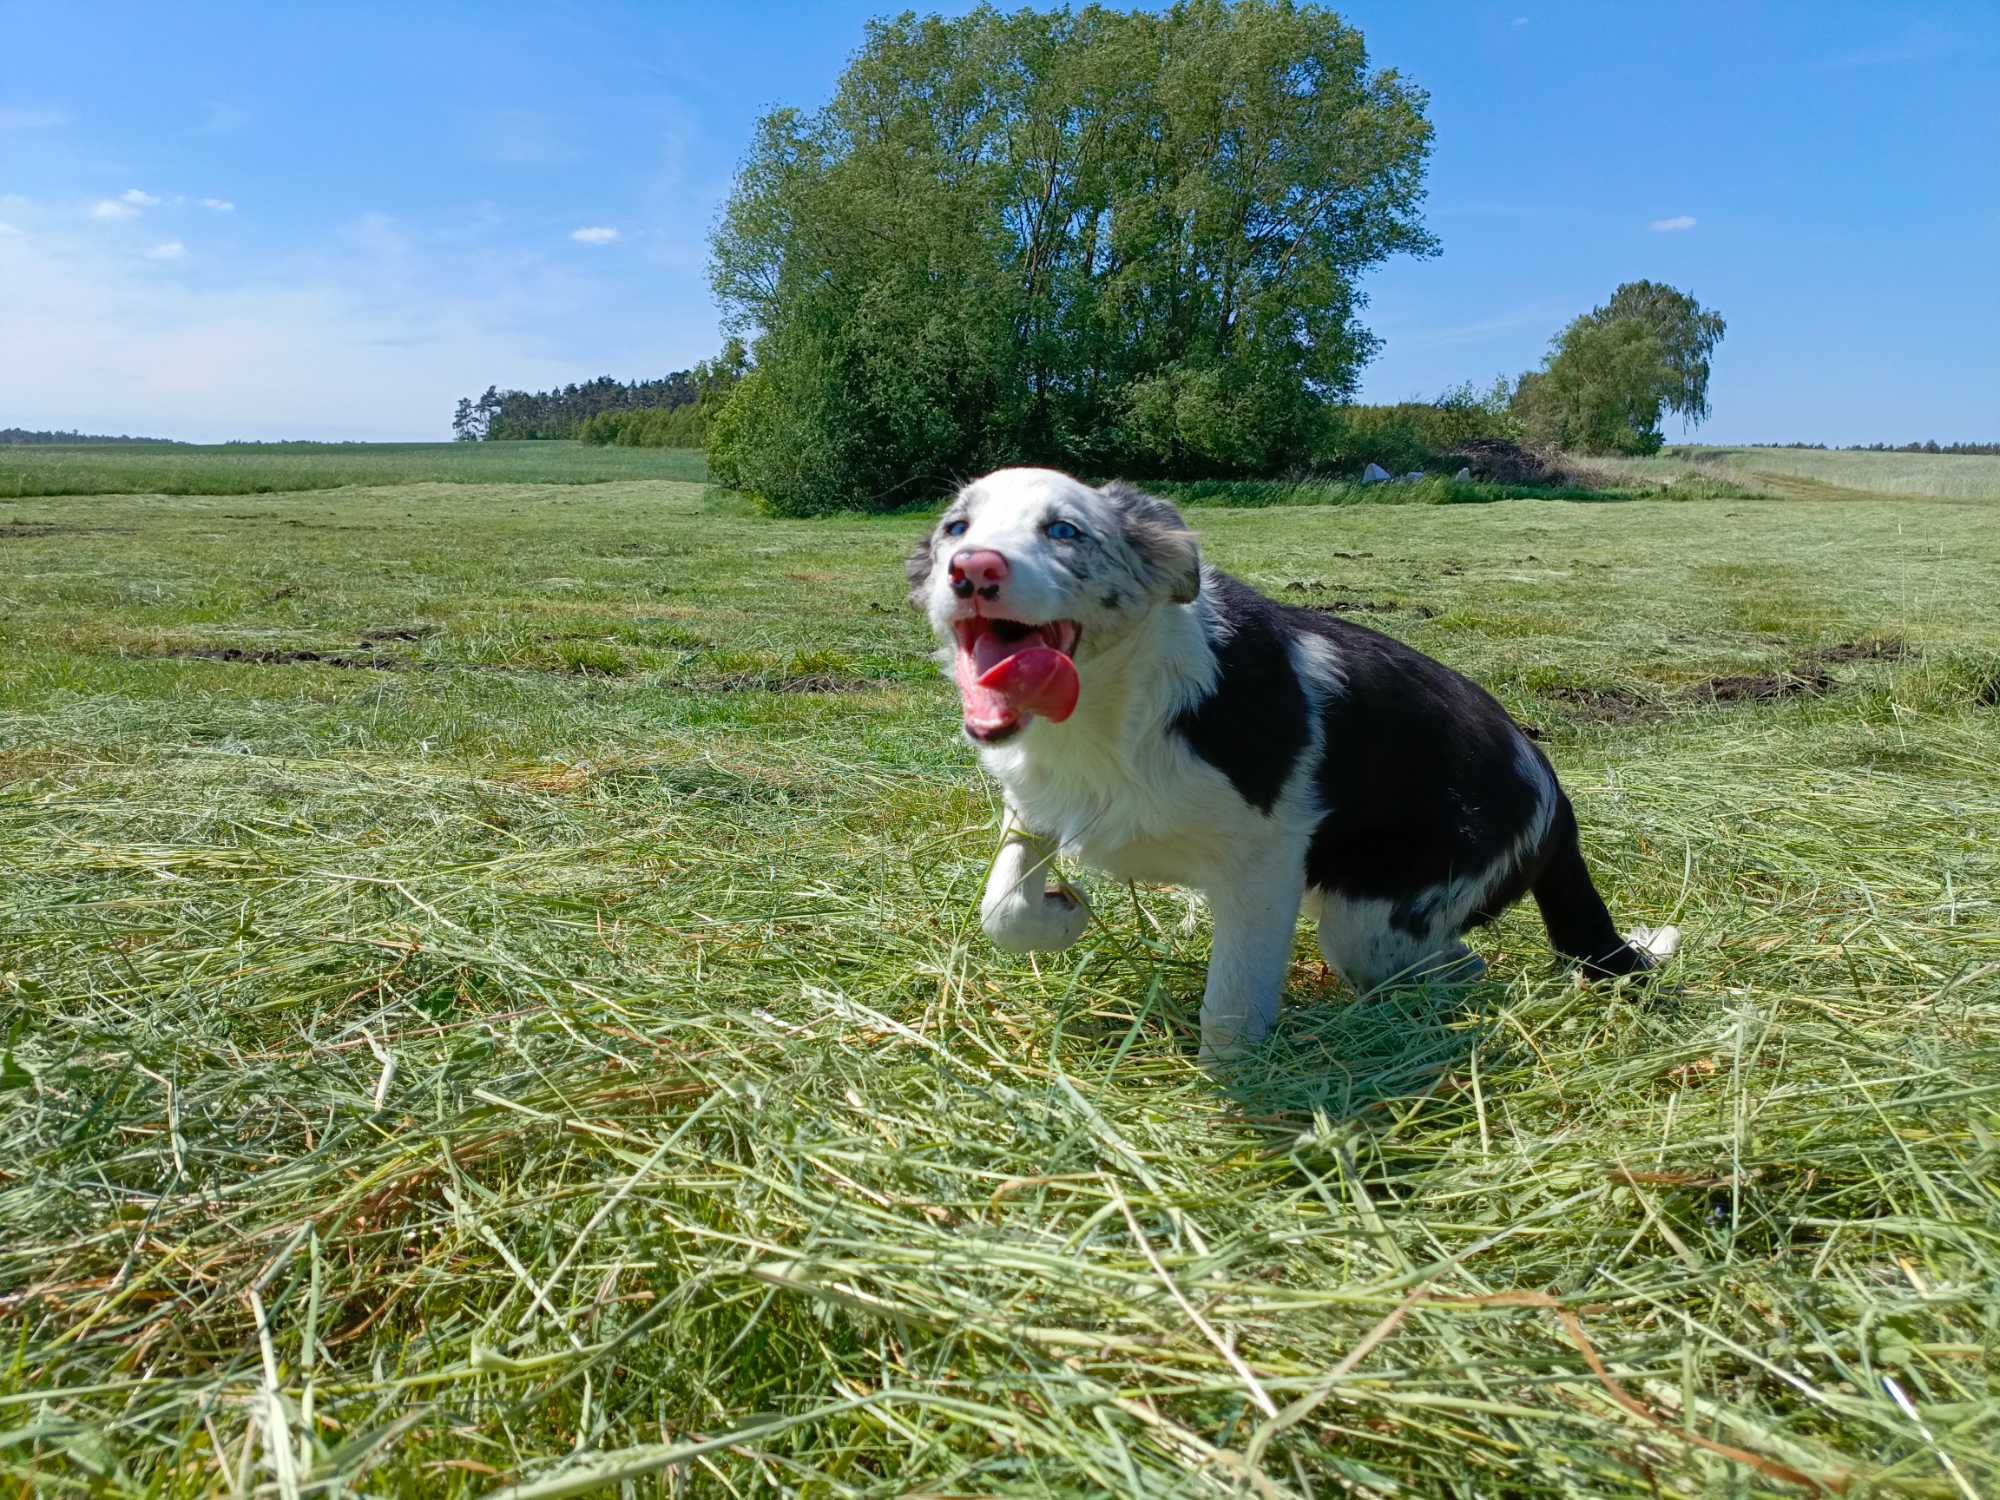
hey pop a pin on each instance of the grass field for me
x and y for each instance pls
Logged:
(1811, 473)
(265, 468)
(493, 1002)
(235, 469)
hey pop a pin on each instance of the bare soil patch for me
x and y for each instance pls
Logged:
(752, 682)
(1606, 705)
(29, 531)
(293, 659)
(1765, 687)
(1887, 649)
(398, 633)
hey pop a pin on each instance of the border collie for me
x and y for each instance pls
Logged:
(1160, 721)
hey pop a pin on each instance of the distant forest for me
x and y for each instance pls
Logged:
(23, 435)
(504, 416)
(1933, 446)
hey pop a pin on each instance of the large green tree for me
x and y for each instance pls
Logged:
(1103, 239)
(1612, 374)
(1687, 331)
(1600, 392)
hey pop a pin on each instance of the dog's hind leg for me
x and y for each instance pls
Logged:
(1027, 908)
(1580, 926)
(1256, 919)
(1368, 949)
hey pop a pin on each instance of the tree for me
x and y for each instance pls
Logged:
(1601, 390)
(1612, 373)
(1100, 239)
(1688, 334)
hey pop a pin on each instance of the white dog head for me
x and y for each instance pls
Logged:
(1030, 570)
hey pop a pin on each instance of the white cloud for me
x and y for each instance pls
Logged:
(111, 208)
(170, 250)
(138, 199)
(1672, 226)
(594, 234)
(220, 205)
(13, 117)
(6, 228)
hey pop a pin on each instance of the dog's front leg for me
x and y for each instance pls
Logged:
(1256, 917)
(1023, 911)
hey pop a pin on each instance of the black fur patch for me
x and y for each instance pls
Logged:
(1419, 774)
(1252, 728)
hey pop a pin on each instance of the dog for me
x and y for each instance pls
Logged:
(1153, 718)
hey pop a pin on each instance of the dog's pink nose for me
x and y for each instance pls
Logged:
(982, 569)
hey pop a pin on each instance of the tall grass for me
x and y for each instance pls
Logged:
(1796, 473)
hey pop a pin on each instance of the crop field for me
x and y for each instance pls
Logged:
(492, 1002)
(1812, 473)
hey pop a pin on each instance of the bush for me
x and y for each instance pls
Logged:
(1198, 422)
(683, 425)
(725, 432)
(1414, 434)
(679, 428)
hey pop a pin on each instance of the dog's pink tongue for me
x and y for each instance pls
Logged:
(1040, 680)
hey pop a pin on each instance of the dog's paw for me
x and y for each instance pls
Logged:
(1038, 921)
(1657, 943)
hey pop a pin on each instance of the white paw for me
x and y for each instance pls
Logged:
(1038, 921)
(1223, 1047)
(1657, 943)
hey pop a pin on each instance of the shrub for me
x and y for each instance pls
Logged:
(1414, 434)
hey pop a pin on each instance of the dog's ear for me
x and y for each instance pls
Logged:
(917, 568)
(1160, 539)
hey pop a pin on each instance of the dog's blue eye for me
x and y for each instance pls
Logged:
(1062, 531)
(956, 528)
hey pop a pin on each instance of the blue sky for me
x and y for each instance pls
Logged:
(265, 221)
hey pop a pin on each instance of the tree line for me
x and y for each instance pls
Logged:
(1118, 243)
(24, 435)
(507, 416)
(1931, 446)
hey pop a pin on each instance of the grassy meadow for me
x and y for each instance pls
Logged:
(267, 468)
(493, 1003)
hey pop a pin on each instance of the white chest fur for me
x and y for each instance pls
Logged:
(1116, 788)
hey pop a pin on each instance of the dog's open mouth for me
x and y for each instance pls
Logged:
(1007, 672)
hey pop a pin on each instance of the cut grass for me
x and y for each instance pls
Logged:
(563, 1053)
(267, 468)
